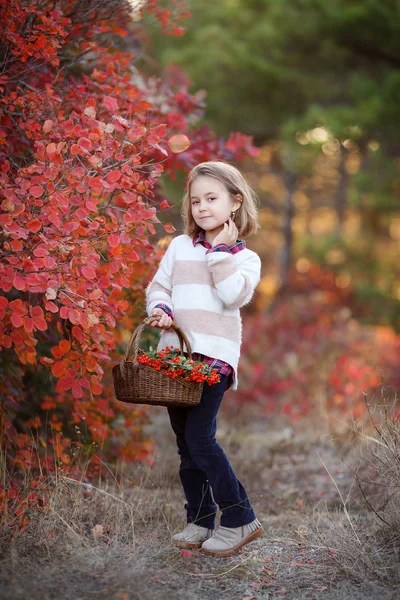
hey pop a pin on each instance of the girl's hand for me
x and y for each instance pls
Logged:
(164, 322)
(228, 235)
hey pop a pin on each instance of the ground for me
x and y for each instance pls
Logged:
(296, 478)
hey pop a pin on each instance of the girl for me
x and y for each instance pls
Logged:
(204, 278)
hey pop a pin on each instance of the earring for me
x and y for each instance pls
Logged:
(233, 215)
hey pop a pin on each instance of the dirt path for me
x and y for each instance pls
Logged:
(285, 471)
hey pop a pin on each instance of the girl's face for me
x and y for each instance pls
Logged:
(211, 204)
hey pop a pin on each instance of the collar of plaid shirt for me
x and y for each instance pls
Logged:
(200, 238)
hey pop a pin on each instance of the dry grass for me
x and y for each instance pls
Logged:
(329, 505)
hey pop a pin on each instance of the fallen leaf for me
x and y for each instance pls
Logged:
(97, 531)
(187, 553)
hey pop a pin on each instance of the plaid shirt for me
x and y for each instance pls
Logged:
(221, 366)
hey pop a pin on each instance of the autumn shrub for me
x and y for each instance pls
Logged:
(307, 356)
(84, 139)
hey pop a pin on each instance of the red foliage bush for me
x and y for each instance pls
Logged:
(84, 138)
(308, 356)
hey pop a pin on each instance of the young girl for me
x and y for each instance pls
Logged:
(204, 278)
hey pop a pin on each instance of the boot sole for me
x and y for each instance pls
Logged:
(250, 538)
(183, 544)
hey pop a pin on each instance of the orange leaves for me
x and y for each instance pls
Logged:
(169, 228)
(59, 368)
(179, 143)
(63, 347)
(19, 316)
(73, 315)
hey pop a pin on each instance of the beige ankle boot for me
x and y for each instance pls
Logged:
(192, 536)
(227, 541)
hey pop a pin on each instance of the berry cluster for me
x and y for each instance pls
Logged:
(173, 364)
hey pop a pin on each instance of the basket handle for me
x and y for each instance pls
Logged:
(136, 335)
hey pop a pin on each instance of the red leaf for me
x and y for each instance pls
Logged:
(113, 176)
(34, 225)
(95, 183)
(28, 324)
(164, 204)
(19, 282)
(110, 103)
(51, 307)
(51, 149)
(187, 553)
(113, 240)
(38, 317)
(129, 197)
(5, 220)
(49, 262)
(133, 256)
(3, 303)
(65, 383)
(36, 191)
(88, 272)
(85, 144)
(76, 390)
(75, 149)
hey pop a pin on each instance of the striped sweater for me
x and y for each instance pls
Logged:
(222, 367)
(204, 289)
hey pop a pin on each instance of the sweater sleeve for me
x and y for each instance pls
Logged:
(159, 290)
(165, 308)
(234, 283)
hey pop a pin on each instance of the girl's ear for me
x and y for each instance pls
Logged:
(239, 197)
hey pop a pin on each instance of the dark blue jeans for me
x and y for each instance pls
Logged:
(205, 472)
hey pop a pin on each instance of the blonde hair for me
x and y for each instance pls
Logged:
(246, 217)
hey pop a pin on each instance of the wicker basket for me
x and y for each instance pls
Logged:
(141, 384)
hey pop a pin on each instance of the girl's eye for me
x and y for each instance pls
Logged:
(196, 201)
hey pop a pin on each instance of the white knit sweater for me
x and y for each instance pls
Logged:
(205, 292)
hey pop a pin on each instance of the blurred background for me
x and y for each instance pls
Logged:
(317, 85)
(313, 85)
